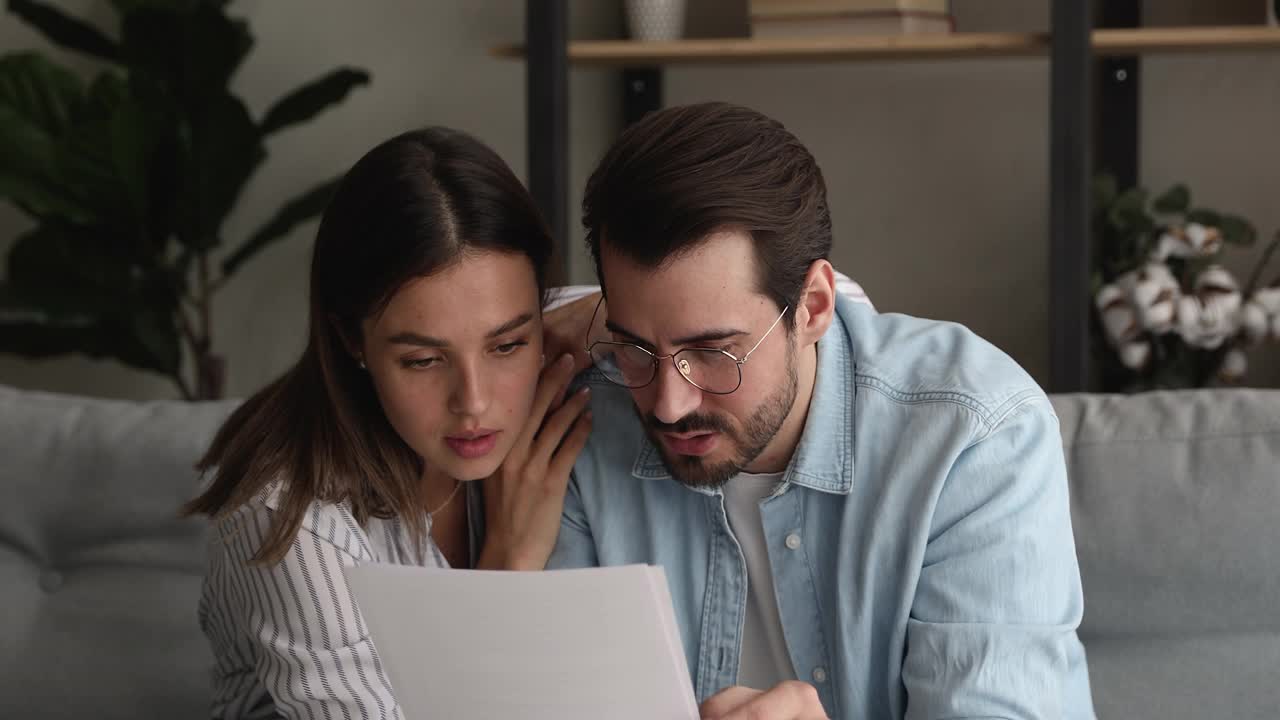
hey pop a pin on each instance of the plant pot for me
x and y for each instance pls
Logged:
(655, 20)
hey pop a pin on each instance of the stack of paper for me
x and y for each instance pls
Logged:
(559, 645)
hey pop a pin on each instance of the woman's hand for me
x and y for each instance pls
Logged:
(524, 498)
(566, 329)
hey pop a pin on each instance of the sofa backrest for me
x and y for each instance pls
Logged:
(1175, 504)
(100, 577)
(1176, 510)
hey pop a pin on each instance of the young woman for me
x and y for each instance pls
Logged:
(423, 372)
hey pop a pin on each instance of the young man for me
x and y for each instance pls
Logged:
(859, 515)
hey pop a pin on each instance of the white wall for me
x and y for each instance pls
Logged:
(938, 171)
(430, 65)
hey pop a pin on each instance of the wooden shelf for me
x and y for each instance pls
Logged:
(903, 47)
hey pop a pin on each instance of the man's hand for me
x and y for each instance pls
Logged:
(792, 700)
(565, 330)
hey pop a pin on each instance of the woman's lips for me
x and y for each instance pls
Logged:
(472, 445)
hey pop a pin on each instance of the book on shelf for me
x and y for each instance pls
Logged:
(862, 23)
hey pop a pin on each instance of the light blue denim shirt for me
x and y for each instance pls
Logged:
(920, 541)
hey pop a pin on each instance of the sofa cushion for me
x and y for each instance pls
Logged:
(1175, 502)
(100, 576)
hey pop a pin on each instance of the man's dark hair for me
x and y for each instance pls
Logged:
(683, 173)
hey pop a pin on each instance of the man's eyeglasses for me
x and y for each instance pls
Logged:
(718, 372)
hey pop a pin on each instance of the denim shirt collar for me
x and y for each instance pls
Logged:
(823, 459)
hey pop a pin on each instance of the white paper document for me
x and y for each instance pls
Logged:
(557, 645)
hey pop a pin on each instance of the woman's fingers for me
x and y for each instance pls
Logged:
(567, 453)
(554, 428)
(566, 329)
(554, 379)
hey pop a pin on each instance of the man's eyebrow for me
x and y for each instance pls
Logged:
(700, 338)
(413, 338)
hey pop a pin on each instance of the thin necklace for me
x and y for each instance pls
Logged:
(456, 484)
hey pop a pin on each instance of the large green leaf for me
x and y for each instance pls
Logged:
(1210, 218)
(70, 272)
(1237, 231)
(193, 49)
(27, 168)
(306, 206)
(139, 140)
(225, 149)
(1174, 200)
(215, 46)
(38, 102)
(65, 30)
(44, 94)
(40, 340)
(91, 162)
(154, 342)
(311, 99)
(1129, 209)
(144, 344)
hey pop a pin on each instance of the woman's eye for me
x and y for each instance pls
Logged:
(508, 348)
(419, 363)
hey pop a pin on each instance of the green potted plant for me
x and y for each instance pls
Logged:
(1170, 315)
(129, 177)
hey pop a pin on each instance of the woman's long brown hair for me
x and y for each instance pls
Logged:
(411, 207)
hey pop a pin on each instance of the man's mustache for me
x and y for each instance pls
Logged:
(689, 423)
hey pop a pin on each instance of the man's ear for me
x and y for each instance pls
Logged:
(817, 305)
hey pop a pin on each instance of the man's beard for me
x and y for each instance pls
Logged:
(755, 435)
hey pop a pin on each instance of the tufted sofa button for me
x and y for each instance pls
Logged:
(51, 580)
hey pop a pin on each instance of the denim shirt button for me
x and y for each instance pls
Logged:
(819, 675)
(793, 541)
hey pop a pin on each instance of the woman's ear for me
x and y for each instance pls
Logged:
(353, 345)
(817, 305)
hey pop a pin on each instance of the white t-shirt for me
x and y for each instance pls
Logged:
(765, 661)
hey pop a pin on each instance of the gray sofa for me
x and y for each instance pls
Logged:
(1176, 502)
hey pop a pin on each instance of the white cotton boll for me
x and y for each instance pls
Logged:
(1159, 317)
(1216, 277)
(1220, 301)
(1269, 299)
(1118, 316)
(1254, 321)
(1200, 325)
(1188, 318)
(1120, 322)
(1160, 274)
(1134, 355)
(1154, 293)
(1234, 366)
(1107, 295)
(1225, 307)
(1169, 245)
(1203, 240)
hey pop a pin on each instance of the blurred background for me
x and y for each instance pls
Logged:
(938, 170)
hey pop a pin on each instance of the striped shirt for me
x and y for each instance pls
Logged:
(288, 639)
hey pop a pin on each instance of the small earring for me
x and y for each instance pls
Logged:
(362, 365)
